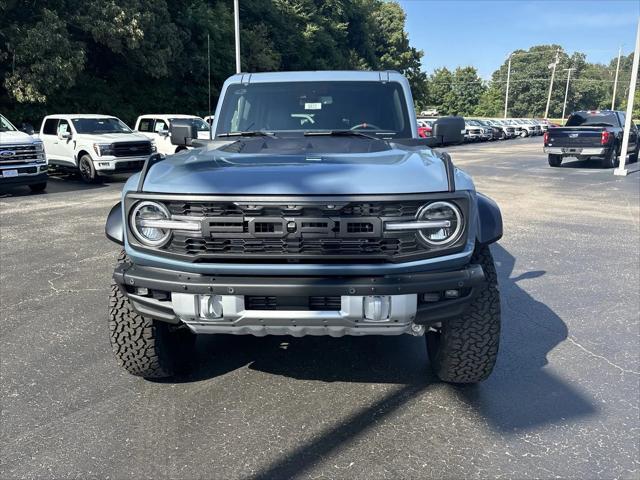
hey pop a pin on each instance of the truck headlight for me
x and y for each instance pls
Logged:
(441, 211)
(142, 219)
(154, 148)
(103, 149)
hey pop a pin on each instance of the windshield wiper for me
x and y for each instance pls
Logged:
(339, 133)
(250, 133)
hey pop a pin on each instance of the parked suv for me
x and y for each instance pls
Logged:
(22, 158)
(93, 145)
(156, 128)
(316, 210)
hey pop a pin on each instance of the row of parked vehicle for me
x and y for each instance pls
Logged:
(90, 145)
(486, 129)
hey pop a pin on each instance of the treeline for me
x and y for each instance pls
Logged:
(144, 56)
(463, 92)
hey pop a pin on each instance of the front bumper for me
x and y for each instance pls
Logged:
(162, 294)
(570, 151)
(109, 164)
(27, 174)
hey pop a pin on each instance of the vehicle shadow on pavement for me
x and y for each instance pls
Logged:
(523, 393)
(585, 164)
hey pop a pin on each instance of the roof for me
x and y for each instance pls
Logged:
(72, 116)
(317, 76)
(169, 115)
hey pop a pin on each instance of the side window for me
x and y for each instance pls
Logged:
(622, 117)
(50, 126)
(161, 125)
(146, 125)
(63, 127)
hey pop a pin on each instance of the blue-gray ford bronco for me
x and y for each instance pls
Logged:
(315, 209)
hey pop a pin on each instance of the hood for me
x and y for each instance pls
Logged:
(111, 137)
(395, 170)
(16, 137)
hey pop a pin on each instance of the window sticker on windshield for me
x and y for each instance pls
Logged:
(313, 106)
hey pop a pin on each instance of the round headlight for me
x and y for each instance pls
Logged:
(142, 218)
(441, 212)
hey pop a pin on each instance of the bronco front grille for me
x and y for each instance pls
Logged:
(299, 230)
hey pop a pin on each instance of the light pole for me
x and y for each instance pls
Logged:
(566, 92)
(621, 170)
(506, 97)
(553, 74)
(236, 24)
(615, 82)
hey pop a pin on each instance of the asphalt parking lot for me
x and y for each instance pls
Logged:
(563, 401)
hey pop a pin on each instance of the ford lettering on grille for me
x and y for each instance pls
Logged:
(291, 227)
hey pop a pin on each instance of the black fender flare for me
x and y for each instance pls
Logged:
(114, 229)
(489, 221)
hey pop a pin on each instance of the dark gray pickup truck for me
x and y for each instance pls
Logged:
(593, 133)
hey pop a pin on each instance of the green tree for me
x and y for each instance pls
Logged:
(126, 57)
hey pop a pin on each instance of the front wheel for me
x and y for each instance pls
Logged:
(143, 346)
(555, 160)
(464, 350)
(86, 169)
(524, 134)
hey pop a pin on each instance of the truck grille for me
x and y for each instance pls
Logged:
(131, 149)
(233, 231)
(304, 230)
(15, 154)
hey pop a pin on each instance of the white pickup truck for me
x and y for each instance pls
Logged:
(22, 158)
(93, 145)
(156, 128)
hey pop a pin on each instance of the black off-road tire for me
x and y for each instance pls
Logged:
(464, 350)
(38, 187)
(555, 160)
(143, 346)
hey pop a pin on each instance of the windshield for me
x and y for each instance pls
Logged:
(597, 119)
(100, 125)
(375, 108)
(200, 124)
(6, 126)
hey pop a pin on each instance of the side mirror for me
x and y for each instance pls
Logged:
(449, 130)
(27, 128)
(183, 132)
(65, 135)
(163, 133)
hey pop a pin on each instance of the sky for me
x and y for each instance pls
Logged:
(482, 33)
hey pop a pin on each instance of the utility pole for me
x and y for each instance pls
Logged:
(209, 82)
(506, 97)
(236, 24)
(553, 74)
(566, 92)
(621, 170)
(615, 82)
